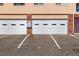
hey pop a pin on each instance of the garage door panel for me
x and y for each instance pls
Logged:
(50, 27)
(14, 31)
(13, 27)
(19, 27)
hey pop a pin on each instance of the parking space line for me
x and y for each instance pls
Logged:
(23, 41)
(55, 41)
(4, 36)
(73, 36)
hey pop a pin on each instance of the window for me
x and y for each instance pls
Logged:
(4, 24)
(45, 24)
(21, 24)
(53, 24)
(13, 24)
(61, 4)
(19, 4)
(77, 7)
(1, 4)
(36, 24)
(58, 3)
(62, 24)
(38, 3)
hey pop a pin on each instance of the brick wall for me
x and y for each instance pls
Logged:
(70, 24)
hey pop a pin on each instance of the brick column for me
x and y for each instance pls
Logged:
(29, 24)
(70, 24)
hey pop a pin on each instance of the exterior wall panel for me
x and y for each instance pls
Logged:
(8, 8)
(13, 17)
(49, 16)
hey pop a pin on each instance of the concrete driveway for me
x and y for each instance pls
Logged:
(39, 45)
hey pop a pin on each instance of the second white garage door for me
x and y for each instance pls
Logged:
(50, 27)
(13, 27)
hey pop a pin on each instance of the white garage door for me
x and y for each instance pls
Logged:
(13, 27)
(49, 27)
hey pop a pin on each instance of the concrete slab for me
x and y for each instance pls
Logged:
(39, 45)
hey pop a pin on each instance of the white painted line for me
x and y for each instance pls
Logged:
(73, 36)
(55, 41)
(4, 36)
(23, 41)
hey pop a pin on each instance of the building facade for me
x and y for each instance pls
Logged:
(39, 18)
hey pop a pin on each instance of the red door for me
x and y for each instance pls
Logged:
(76, 26)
